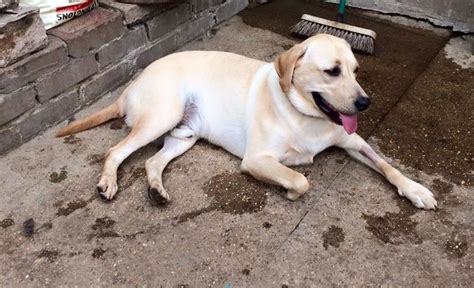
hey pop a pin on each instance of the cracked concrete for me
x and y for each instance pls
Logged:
(350, 229)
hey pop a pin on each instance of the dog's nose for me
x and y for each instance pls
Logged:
(362, 103)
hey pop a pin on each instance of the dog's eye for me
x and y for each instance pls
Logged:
(334, 72)
(356, 70)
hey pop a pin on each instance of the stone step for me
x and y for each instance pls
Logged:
(22, 33)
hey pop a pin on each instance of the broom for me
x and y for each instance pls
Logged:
(360, 39)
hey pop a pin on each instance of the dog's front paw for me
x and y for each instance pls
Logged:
(299, 187)
(107, 187)
(293, 195)
(419, 195)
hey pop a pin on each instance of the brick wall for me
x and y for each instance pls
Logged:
(93, 54)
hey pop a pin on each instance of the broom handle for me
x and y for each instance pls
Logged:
(341, 10)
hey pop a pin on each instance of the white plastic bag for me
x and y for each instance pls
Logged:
(56, 12)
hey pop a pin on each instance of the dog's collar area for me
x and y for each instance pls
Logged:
(326, 108)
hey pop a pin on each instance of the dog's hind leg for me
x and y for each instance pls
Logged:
(179, 141)
(147, 128)
(419, 195)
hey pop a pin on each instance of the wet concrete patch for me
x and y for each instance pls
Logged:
(103, 228)
(7, 222)
(233, 193)
(55, 177)
(98, 252)
(456, 247)
(71, 207)
(75, 253)
(103, 223)
(29, 227)
(395, 228)
(50, 255)
(72, 139)
(94, 159)
(334, 236)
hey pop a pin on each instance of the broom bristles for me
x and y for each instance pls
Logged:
(362, 41)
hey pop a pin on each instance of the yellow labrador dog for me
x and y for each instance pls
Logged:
(271, 115)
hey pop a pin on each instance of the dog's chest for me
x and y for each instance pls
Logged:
(292, 157)
(302, 147)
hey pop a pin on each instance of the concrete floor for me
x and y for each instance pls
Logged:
(351, 228)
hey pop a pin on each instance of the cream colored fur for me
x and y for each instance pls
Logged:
(263, 113)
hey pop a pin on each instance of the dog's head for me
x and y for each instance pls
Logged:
(319, 77)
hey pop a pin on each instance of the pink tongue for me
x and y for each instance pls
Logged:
(349, 122)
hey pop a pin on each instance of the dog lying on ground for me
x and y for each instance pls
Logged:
(271, 115)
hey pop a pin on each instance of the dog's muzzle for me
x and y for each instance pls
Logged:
(326, 108)
(362, 103)
(348, 121)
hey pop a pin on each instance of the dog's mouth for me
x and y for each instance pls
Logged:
(348, 121)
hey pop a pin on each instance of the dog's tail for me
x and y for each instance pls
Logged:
(110, 112)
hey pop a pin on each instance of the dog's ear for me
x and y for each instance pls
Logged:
(285, 65)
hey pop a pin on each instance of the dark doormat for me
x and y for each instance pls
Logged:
(432, 127)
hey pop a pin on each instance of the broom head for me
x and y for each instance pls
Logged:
(360, 39)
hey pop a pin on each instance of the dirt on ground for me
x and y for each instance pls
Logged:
(237, 193)
(7, 222)
(432, 127)
(233, 193)
(395, 228)
(333, 237)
